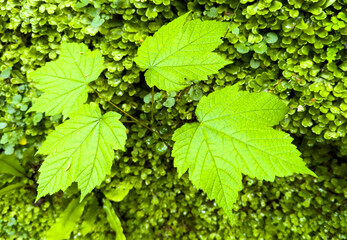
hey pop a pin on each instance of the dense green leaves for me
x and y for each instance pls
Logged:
(81, 150)
(97, 21)
(6, 73)
(317, 113)
(67, 221)
(234, 136)
(181, 51)
(82, 3)
(65, 81)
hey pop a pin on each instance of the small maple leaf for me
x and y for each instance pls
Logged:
(181, 51)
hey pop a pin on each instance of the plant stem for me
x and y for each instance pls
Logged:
(135, 119)
(152, 108)
(233, 16)
(152, 113)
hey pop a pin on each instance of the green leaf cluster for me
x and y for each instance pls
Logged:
(234, 135)
(82, 148)
(314, 96)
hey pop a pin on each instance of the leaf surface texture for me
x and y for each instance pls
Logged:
(81, 150)
(234, 136)
(182, 51)
(65, 81)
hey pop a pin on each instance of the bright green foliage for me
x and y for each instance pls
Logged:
(118, 193)
(213, 12)
(271, 37)
(97, 21)
(332, 51)
(67, 221)
(242, 48)
(180, 52)
(234, 136)
(6, 73)
(65, 81)
(260, 47)
(81, 150)
(254, 64)
(113, 219)
(82, 3)
(9, 164)
(284, 209)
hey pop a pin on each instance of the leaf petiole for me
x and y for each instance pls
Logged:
(152, 108)
(135, 119)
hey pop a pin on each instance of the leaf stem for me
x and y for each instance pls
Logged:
(24, 175)
(152, 108)
(127, 114)
(233, 16)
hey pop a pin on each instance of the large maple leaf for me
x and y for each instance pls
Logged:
(234, 136)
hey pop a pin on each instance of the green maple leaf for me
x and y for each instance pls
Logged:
(80, 150)
(234, 136)
(65, 81)
(182, 51)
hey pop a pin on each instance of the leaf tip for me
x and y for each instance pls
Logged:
(84, 193)
(309, 172)
(38, 197)
(31, 109)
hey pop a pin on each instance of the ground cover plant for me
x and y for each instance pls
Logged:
(77, 106)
